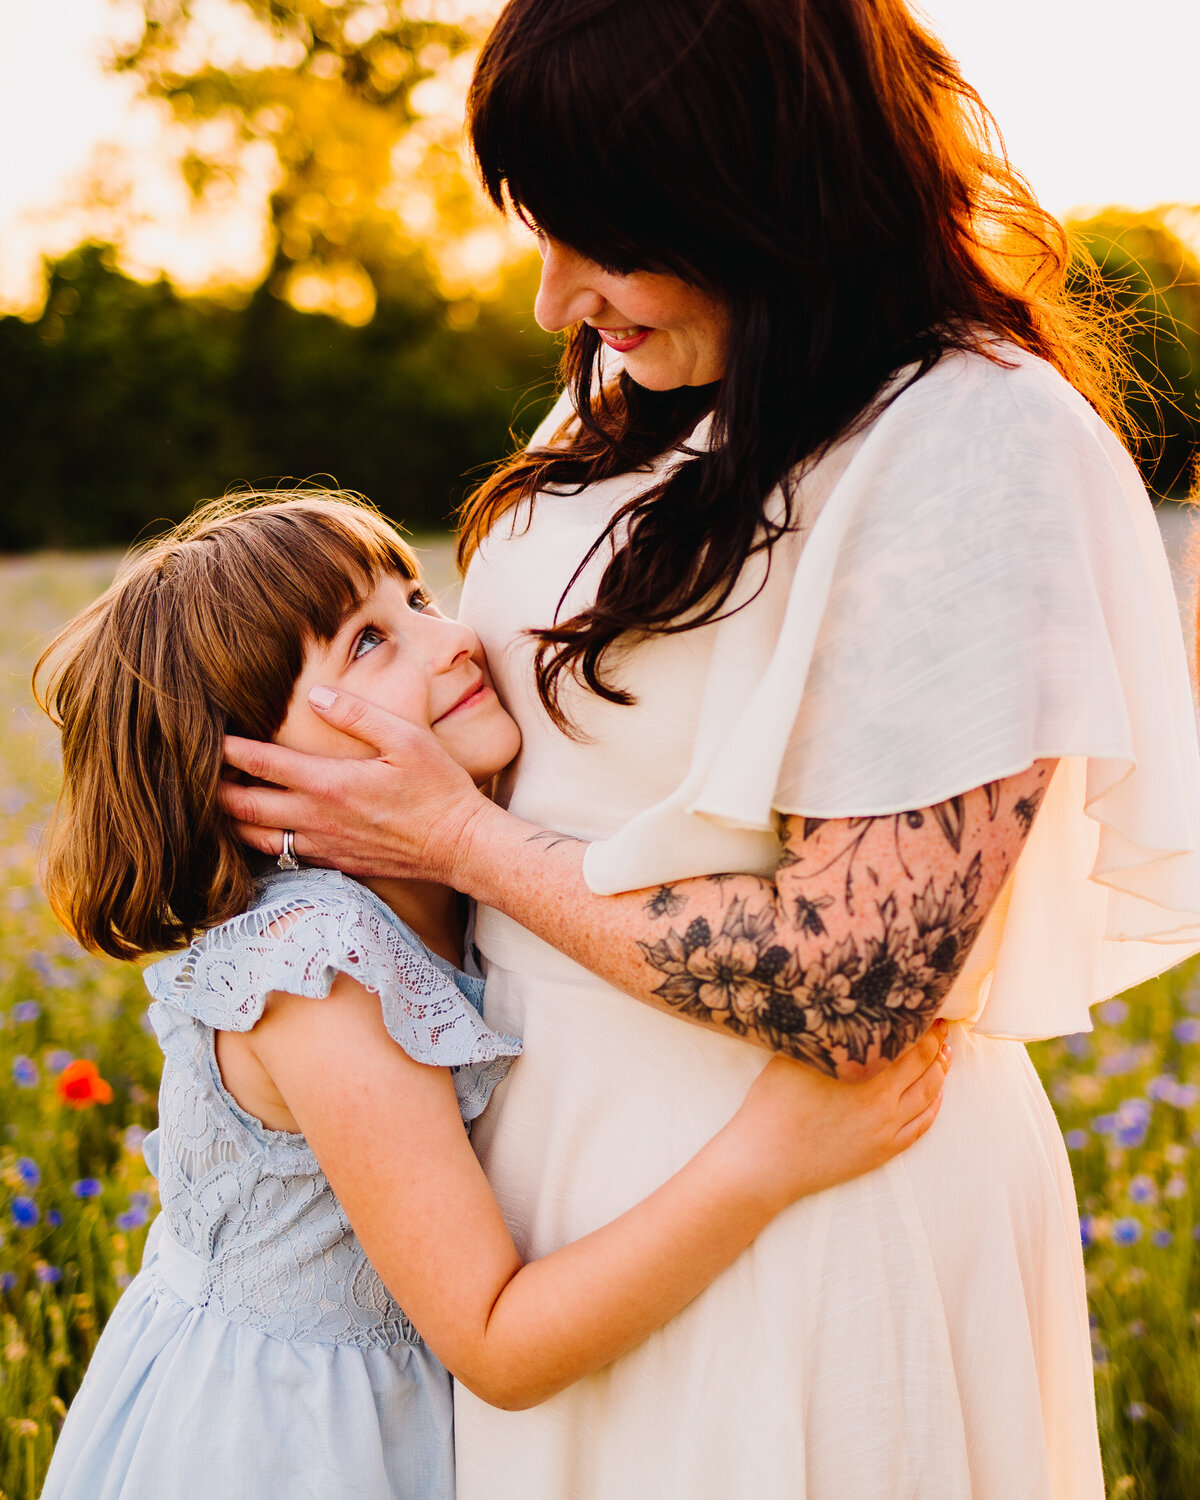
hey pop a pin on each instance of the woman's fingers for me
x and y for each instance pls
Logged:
(383, 731)
(263, 807)
(266, 762)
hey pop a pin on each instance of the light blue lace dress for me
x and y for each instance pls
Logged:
(257, 1355)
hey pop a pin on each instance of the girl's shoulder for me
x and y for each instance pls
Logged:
(303, 930)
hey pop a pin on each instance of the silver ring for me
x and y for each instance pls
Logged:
(287, 858)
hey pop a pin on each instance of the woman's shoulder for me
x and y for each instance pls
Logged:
(992, 394)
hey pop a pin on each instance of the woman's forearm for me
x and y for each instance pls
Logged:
(842, 959)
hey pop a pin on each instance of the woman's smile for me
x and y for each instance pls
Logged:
(624, 339)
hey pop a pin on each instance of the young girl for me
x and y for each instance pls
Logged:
(328, 1247)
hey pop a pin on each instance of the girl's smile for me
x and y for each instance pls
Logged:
(398, 651)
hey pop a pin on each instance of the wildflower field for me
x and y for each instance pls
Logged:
(78, 1076)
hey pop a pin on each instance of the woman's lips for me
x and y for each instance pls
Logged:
(624, 339)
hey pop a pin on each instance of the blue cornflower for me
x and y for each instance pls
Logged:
(48, 1275)
(1185, 1095)
(1134, 1112)
(1163, 1087)
(1076, 1139)
(57, 1060)
(8, 1280)
(53, 1218)
(1087, 1229)
(25, 1212)
(26, 1010)
(1114, 1012)
(87, 1187)
(28, 1171)
(133, 1217)
(1161, 1238)
(25, 1073)
(1142, 1189)
(133, 1138)
(1104, 1124)
(1078, 1044)
(1131, 1135)
(1135, 1411)
(1187, 1030)
(1126, 1231)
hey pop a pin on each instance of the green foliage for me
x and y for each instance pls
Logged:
(327, 86)
(1152, 282)
(128, 403)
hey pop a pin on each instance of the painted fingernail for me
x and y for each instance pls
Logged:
(322, 697)
(942, 1027)
(945, 1053)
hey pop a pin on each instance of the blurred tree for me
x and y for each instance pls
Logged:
(330, 87)
(1152, 282)
(125, 404)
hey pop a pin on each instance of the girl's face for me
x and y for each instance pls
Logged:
(399, 652)
(668, 332)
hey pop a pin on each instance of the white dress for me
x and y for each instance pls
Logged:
(978, 582)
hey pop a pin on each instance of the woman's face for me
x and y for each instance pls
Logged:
(399, 652)
(667, 332)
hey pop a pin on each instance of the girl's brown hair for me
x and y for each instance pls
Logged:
(823, 168)
(201, 634)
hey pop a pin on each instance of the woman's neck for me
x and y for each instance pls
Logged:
(434, 912)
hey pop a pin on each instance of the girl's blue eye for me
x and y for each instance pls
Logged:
(419, 600)
(367, 641)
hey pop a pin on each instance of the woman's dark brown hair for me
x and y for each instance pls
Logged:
(824, 169)
(202, 633)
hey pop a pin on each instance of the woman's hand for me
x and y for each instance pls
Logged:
(404, 813)
(804, 1132)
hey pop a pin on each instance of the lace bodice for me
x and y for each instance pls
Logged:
(251, 1207)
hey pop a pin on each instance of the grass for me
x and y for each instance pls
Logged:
(75, 1194)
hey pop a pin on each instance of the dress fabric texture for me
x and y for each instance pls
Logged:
(257, 1354)
(976, 581)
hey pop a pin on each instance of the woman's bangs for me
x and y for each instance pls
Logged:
(553, 146)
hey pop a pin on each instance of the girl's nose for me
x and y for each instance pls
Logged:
(566, 294)
(449, 641)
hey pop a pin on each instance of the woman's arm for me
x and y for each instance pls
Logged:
(840, 960)
(388, 1135)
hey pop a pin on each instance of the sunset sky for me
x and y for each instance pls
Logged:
(1096, 100)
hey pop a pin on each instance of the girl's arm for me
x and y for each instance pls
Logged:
(840, 960)
(388, 1135)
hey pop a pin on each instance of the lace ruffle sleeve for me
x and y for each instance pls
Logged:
(309, 927)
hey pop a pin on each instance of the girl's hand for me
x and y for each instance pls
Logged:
(804, 1132)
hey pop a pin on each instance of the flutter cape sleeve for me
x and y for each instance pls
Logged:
(977, 582)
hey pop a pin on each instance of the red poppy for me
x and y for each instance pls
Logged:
(79, 1085)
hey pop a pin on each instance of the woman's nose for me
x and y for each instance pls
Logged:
(566, 294)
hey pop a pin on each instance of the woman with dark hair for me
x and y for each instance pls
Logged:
(852, 693)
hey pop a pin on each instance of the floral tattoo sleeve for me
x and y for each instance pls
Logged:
(848, 954)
